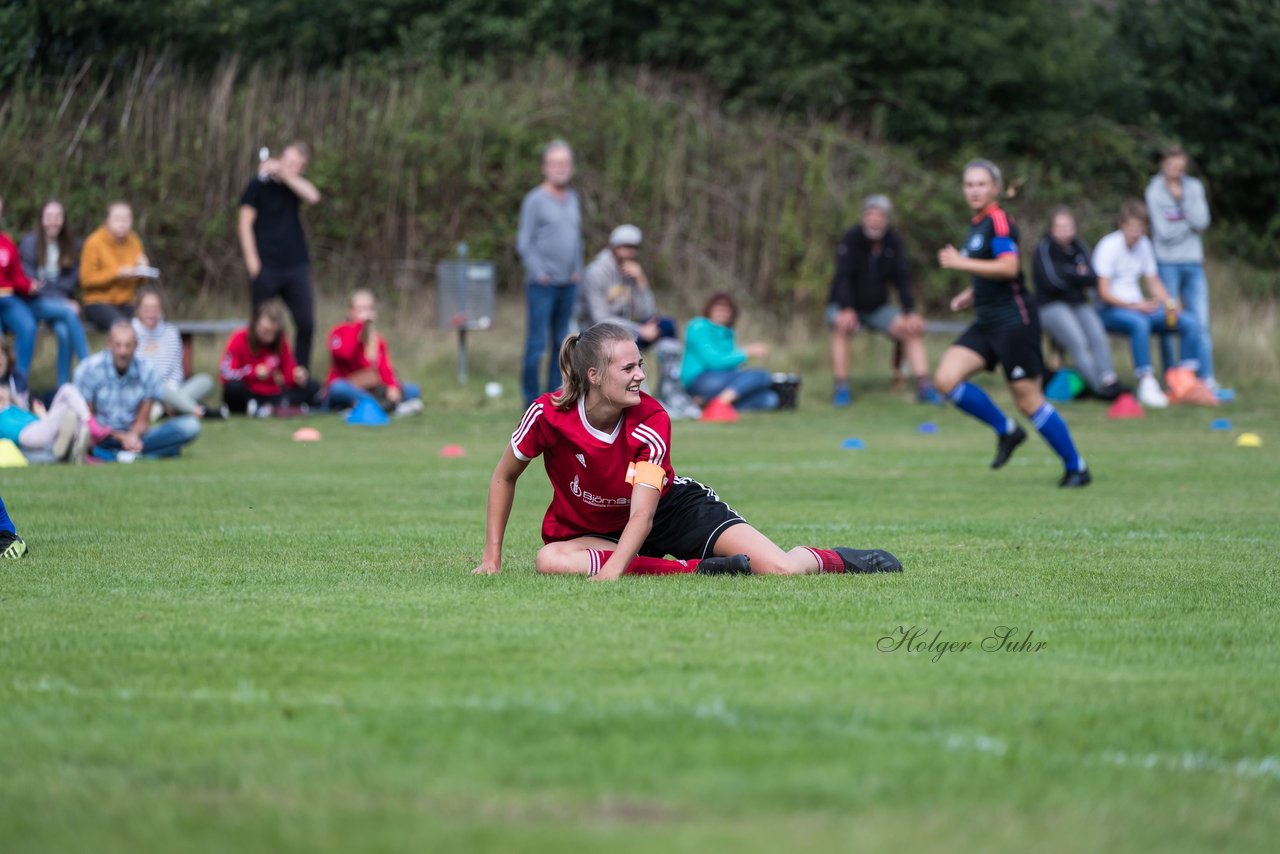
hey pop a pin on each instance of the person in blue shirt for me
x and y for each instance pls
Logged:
(1005, 330)
(712, 371)
(120, 388)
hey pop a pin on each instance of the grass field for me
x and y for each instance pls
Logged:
(269, 646)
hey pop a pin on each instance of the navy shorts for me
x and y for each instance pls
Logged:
(1015, 348)
(689, 520)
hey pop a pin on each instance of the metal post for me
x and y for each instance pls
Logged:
(462, 355)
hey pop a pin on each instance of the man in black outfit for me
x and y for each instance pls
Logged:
(273, 243)
(869, 258)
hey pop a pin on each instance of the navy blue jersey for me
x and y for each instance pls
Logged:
(997, 302)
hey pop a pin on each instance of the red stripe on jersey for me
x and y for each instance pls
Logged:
(1022, 306)
(1000, 220)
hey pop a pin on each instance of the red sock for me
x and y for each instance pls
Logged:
(644, 565)
(828, 561)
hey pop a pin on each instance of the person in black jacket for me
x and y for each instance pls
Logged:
(869, 258)
(1063, 276)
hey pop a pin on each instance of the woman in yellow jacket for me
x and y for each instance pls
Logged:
(112, 263)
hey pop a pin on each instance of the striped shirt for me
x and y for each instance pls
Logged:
(162, 349)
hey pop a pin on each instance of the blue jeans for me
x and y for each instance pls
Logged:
(1186, 282)
(15, 317)
(1139, 326)
(550, 309)
(343, 394)
(163, 440)
(64, 322)
(754, 387)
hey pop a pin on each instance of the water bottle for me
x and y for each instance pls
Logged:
(1171, 314)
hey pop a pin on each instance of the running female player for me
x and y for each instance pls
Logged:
(1006, 330)
(606, 448)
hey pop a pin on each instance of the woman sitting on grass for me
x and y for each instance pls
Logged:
(617, 505)
(711, 371)
(160, 344)
(258, 371)
(62, 430)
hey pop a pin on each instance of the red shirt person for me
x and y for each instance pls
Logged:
(617, 505)
(359, 363)
(15, 315)
(258, 370)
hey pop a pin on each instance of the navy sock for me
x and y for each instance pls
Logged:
(973, 400)
(1055, 432)
(6, 524)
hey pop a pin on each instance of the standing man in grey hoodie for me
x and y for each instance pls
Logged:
(550, 245)
(1179, 213)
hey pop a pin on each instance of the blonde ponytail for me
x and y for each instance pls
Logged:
(581, 352)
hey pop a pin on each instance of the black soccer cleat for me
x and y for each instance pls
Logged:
(1076, 479)
(1007, 444)
(868, 560)
(731, 565)
(12, 546)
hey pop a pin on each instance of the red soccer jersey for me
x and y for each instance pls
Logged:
(588, 468)
(240, 362)
(347, 355)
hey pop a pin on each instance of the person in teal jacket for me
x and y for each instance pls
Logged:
(712, 370)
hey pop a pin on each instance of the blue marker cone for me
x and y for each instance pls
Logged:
(928, 427)
(1220, 424)
(852, 444)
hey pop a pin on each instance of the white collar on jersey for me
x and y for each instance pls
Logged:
(599, 434)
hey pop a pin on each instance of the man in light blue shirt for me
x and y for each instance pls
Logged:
(120, 389)
(550, 245)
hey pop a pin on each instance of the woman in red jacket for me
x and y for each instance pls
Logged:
(360, 366)
(258, 370)
(15, 315)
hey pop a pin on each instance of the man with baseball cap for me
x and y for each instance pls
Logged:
(615, 288)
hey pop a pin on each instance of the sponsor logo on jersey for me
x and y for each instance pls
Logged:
(975, 243)
(595, 500)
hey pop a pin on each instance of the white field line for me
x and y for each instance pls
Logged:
(714, 710)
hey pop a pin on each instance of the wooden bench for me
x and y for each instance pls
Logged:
(189, 329)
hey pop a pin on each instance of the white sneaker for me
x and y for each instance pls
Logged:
(409, 407)
(1150, 395)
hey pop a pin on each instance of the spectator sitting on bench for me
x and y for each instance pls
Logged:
(120, 389)
(1063, 278)
(615, 289)
(160, 345)
(869, 257)
(258, 371)
(51, 260)
(110, 263)
(1124, 261)
(15, 313)
(359, 365)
